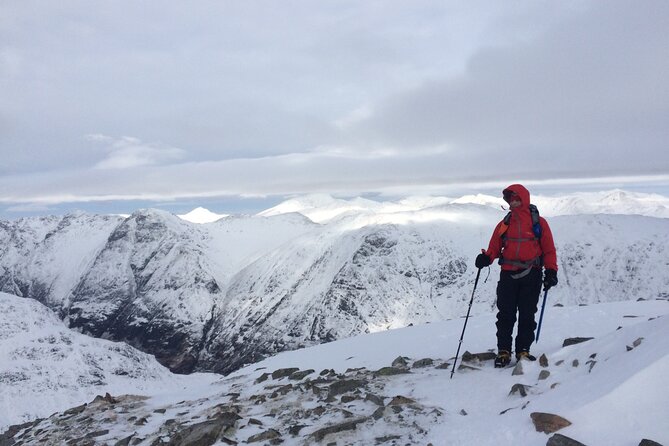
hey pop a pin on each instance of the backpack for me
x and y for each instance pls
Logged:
(536, 229)
(536, 225)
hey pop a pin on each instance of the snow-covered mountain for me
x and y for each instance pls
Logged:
(46, 367)
(217, 296)
(393, 388)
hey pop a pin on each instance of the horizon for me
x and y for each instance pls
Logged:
(249, 206)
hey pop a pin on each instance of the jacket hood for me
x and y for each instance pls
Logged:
(523, 193)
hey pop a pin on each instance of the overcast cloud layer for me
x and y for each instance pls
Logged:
(172, 100)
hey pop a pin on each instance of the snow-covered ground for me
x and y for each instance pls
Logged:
(612, 388)
(46, 367)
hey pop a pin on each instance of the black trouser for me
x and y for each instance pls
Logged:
(521, 296)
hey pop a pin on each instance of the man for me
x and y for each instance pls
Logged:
(523, 242)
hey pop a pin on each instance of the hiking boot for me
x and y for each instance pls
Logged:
(525, 355)
(503, 359)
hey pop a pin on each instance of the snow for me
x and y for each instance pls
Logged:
(46, 367)
(617, 402)
(622, 400)
(201, 215)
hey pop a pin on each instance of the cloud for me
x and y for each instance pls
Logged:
(128, 152)
(249, 98)
(581, 94)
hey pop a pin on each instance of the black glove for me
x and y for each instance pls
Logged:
(482, 261)
(550, 279)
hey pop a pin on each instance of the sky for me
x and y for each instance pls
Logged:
(111, 106)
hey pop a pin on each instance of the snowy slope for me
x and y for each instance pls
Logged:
(46, 367)
(612, 389)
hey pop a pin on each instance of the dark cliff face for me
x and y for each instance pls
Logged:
(336, 288)
(150, 287)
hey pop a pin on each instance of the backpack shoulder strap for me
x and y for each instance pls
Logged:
(536, 223)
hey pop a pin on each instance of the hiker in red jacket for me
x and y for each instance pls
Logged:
(523, 242)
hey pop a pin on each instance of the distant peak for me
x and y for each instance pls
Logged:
(201, 215)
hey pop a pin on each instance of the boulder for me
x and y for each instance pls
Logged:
(576, 340)
(425, 362)
(269, 434)
(390, 371)
(544, 374)
(485, 356)
(646, 442)
(346, 385)
(543, 360)
(282, 373)
(520, 389)
(548, 422)
(341, 427)
(400, 362)
(561, 440)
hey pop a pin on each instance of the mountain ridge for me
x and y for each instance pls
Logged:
(217, 296)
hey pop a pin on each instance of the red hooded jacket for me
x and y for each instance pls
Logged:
(520, 227)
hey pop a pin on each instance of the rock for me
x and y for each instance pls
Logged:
(592, 364)
(485, 356)
(295, 429)
(387, 438)
(543, 360)
(255, 421)
(572, 341)
(466, 367)
(519, 388)
(348, 398)
(200, 434)
(341, 427)
(444, 366)
(282, 373)
(646, 442)
(297, 376)
(548, 422)
(390, 371)
(463, 412)
(400, 362)
(75, 410)
(518, 369)
(561, 440)
(269, 434)
(161, 410)
(574, 363)
(544, 374)
(374, 399)
(637, 342)
(345, 385)
(425, 362)
(124, 441)
(378, 413)
(400, 400)
(262, 378)
(99, 433)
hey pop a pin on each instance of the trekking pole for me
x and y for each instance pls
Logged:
(541, 317)
(466, 319)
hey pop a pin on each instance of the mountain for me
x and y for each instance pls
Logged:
(393, 388)
(201, 215)
(46, 367)
(217, 296)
